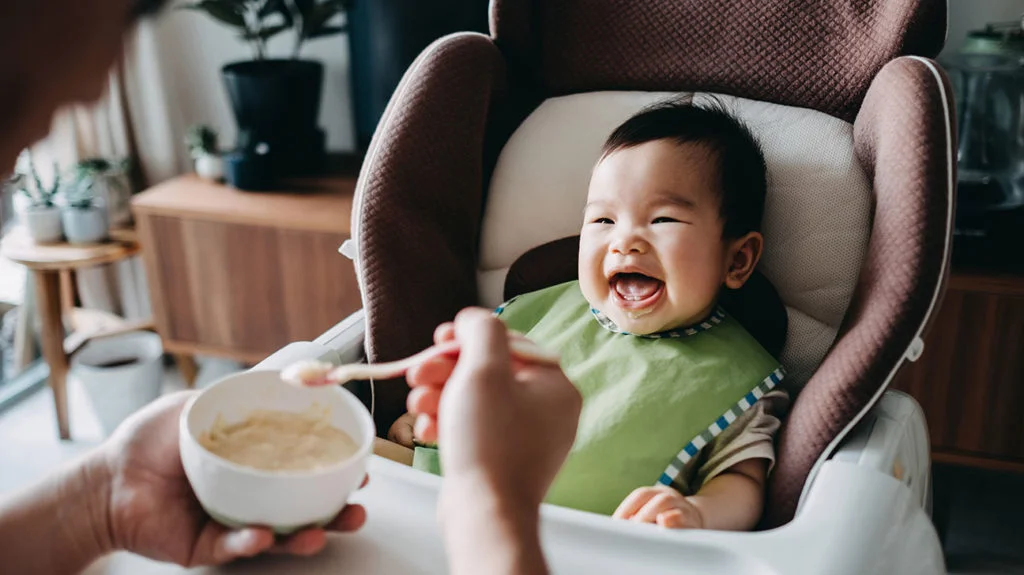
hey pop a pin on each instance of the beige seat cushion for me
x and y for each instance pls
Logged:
(817, 218)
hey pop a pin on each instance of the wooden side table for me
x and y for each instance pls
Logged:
(241, 274)
(51, 266)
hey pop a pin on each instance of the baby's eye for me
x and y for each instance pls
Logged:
(603, 221)
(664, 220)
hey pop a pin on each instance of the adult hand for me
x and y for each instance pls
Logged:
(153, 512)
(506, 424)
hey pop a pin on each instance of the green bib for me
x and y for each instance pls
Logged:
(650, 403)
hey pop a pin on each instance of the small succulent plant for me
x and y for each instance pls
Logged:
(201, 141)
(80, 194)
(101, 166)
(28, 182)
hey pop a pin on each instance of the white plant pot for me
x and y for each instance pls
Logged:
(19, 205)
(43, 223)
(120, 375)
(85, 226)
(210, 167)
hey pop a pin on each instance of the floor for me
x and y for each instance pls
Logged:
(12, 282)
(986, 520)
(29, 447)
(986, 510)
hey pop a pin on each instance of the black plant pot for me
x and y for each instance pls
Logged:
(277, 103)
(385, 36)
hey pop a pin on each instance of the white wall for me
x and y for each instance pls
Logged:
(191, 49)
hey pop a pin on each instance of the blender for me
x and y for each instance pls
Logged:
(988, 80)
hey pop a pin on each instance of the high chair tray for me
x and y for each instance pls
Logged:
(855, 521)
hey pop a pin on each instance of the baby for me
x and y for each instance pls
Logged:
(678, 399)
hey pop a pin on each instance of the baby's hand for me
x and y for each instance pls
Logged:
(662, 505)
(401, 431)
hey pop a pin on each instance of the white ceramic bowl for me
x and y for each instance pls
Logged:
(236, 495)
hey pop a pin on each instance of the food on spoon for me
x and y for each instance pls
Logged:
(308, 373)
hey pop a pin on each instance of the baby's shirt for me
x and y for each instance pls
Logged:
(676, 408)
(751, 436)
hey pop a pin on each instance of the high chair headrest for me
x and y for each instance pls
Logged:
(817, 54)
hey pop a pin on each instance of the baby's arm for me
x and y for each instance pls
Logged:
(731, 501)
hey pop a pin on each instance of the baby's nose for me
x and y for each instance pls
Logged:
(629, 244)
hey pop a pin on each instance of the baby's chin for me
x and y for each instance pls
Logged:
(643, 322)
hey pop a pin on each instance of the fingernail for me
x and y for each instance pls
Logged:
(420, 427)
(240, 542)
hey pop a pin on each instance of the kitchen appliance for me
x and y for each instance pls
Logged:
(988, 79)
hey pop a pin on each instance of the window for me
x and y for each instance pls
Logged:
(21, 371)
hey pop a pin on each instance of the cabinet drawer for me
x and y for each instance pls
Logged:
(970, 379)
(244, 290)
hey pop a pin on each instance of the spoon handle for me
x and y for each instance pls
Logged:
(520, 348)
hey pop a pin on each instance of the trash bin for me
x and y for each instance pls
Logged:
(120, 374)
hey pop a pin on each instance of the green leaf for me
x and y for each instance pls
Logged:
(305, 7)
(325, 31)
(56, 179)
(320, 16)
(272, 7)
(322, 12)
(94, 166)
(292, 11)
(40, 189)
(224, 11)
(266, 33)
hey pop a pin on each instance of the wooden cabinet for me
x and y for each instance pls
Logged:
(241, 274)
(970, 379)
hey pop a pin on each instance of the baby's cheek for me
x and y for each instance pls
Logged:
(591, 274)
(689, 297)
(593, 290)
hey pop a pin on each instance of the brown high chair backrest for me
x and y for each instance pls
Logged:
(424, 186)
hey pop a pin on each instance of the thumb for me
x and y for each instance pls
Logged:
(483, 342)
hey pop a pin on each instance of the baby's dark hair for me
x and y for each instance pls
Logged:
(741, 165)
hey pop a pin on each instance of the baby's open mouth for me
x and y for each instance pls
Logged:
(635, 290)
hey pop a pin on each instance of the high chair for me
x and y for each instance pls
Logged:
(483, 157)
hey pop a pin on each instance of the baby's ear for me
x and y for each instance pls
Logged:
(742, 256)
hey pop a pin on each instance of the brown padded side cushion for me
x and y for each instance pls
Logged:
(422, 190)
(900, 138)
(756, 305)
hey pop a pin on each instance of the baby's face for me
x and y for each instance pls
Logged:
(652, 256)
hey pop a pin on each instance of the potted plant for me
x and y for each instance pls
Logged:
(84, 216)
(202, 146)
(37, 210)
(111, 185)
(405, 28)
(276, 101)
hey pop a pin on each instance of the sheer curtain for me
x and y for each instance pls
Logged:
(132, 120)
